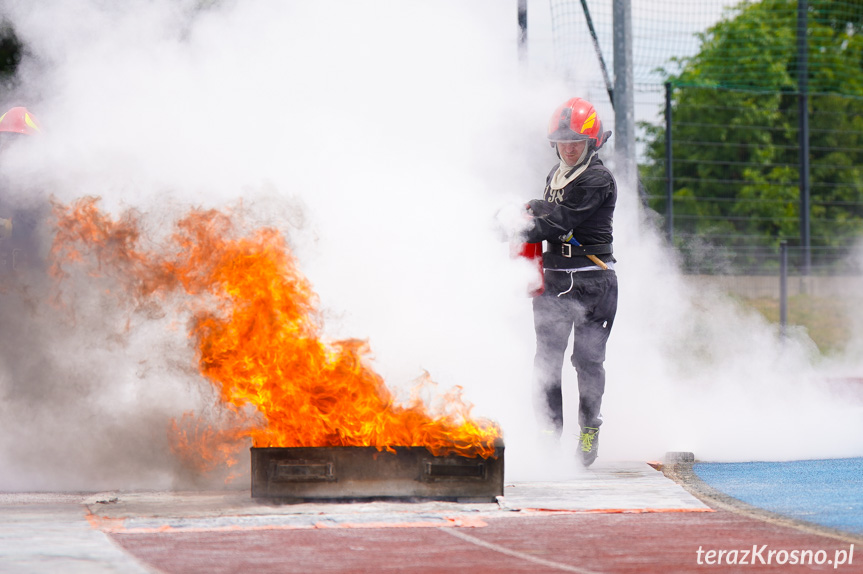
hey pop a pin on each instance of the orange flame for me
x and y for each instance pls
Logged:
(255, 326)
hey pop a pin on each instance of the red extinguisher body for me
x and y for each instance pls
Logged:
(533, 252)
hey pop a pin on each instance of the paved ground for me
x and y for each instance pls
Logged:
(618, 517)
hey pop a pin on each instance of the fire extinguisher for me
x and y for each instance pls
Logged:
(533, 252)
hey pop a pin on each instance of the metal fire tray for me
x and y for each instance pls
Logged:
(300, 474)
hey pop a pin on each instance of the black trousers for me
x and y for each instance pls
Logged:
(582, 303)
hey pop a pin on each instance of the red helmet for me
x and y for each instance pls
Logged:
(19, 121)
(576, 120)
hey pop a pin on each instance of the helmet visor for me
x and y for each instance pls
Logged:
(563, 136)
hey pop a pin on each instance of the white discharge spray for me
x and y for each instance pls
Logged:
(382, 137)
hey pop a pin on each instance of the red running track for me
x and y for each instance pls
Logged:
(538, 542)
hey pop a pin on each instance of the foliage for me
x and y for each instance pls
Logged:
(735, 129)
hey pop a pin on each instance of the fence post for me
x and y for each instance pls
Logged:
(669, 169)
(803, 129)
(783, 287)
(522, 27)
(624, 97)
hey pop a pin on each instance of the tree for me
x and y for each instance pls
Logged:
(735, 129)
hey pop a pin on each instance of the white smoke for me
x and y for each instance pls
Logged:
(382, 138)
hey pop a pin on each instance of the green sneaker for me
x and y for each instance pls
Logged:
(588, 443)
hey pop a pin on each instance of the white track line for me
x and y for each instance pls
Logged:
(503, 550)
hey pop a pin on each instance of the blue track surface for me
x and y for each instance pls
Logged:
(826, 492)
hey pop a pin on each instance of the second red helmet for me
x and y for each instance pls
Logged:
(19, 120)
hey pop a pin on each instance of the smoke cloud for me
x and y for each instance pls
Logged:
(381, 138)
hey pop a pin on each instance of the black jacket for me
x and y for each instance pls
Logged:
(585, 206)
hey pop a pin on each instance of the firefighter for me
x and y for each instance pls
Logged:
(14, 123)
(574, 218)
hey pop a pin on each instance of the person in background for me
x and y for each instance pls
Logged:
(574, 218)
(14, 224)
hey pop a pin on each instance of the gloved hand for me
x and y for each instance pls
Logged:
(511, 221)
(540, 207)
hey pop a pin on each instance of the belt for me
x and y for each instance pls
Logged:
(570, 250)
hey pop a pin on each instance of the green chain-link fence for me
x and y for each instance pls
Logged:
(736, 73)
